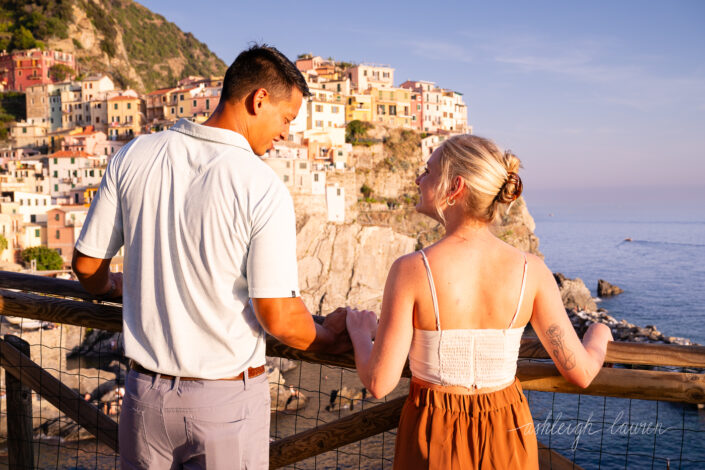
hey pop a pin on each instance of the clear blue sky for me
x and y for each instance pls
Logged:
(603, 101)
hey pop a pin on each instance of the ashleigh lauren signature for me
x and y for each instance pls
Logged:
(555, 426)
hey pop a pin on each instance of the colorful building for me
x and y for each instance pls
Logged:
(125, 117)
(364, 76)
(391, 106)
(22, 69)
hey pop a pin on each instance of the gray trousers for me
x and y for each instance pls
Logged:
(173, 424)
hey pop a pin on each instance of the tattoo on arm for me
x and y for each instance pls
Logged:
(563, 355)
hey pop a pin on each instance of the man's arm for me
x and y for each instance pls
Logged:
(289, 321)
(95, 276)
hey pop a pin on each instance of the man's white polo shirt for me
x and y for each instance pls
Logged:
(206, 225)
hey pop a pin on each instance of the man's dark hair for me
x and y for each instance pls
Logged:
(262, 66)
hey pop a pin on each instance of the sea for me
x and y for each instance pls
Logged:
(659, 261)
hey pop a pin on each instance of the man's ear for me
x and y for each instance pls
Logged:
(259, 97)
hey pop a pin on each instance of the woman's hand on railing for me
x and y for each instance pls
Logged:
(361, 322)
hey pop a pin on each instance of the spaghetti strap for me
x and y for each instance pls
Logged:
(433, 290)
(521, 294)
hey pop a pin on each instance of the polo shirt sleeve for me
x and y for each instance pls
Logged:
(271, 261)
(102, 236)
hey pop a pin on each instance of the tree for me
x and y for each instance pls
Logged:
(23, 39)
(356, 130)
(47, 259)
(59, 72)
(3, 243)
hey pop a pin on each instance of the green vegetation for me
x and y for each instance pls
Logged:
(26, 25)
(366, 191)
(12, 108)
(47, 259)
(77, 44)
(356, 132)
(59, 72)
(3, 243)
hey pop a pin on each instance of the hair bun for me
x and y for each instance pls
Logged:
(511, 189)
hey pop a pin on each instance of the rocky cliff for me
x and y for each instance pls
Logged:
(346, 264)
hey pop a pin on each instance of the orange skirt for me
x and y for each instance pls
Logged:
(441, 430)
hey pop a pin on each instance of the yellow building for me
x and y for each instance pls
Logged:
(124, 117)
(391, 106)
(358, 107)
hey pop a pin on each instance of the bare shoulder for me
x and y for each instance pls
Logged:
(408, 265)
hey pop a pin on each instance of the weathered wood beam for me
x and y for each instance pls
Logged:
(20, 440)
(341, 432)
(621, 352)
(72, 312)
(43, 285)
(62, 397)
(622, 383)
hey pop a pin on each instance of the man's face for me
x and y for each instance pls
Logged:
(272, 121)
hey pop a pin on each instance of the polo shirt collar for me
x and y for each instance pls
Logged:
(215, 134)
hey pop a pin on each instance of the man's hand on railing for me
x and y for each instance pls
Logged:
(335, 323)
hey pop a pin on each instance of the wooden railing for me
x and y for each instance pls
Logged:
(66, 302)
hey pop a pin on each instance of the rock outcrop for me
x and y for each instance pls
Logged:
(575, 295)
(605, 289)
(346, 264)
(622, 330)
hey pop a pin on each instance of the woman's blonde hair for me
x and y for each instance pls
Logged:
(490, 175)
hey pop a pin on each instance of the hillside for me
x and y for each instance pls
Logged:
(138, 48)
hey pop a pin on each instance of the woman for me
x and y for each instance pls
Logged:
(457, 309)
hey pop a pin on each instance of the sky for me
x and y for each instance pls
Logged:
(603, 101)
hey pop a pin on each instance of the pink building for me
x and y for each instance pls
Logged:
(87, 141)
(60, 236)
(22, 69)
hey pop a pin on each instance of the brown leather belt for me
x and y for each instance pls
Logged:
(252, 372)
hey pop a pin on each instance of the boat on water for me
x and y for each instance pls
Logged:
(628, 239)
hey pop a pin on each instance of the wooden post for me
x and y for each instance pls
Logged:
(19, 415)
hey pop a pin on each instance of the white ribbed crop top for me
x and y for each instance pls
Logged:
(472, 358)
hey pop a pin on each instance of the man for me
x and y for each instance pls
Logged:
(210, 261)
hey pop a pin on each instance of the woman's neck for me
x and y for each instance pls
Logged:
(465, 228)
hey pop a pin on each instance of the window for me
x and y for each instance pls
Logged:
(97, 119)
(56, 187)
(302, 165)
(334, 109)
(286, 178)
(194, 103)
(208, 104)
(319, 123)
(418, 107)
(115, 106)
(181, 110)
(56, 174)
(288, 164)
(181, 97)
(37, 233)
(319, 108)
(57, 217)
(58, 234)
(73, 160)
(315, 177)
(338, 191)
(392, 110)
(129, 105)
